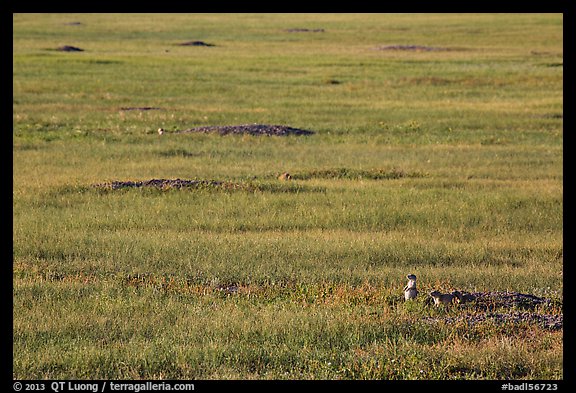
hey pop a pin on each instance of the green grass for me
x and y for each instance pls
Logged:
(445, 164)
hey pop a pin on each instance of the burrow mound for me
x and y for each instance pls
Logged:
(493, 300)
(303, 30)
(167, 184)
(545, 321)
(69, 48)
(140, 108)
(208, 185)
(195, 43)
(251, 129)
(415, 48)
(491, 306)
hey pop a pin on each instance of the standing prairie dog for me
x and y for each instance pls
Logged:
(410, 291)
(442, 298)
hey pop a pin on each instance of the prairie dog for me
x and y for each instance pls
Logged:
(285, 176)
(410, 291)
(463, 297)
(442, 298)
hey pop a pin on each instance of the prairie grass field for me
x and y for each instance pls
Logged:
(445, 161)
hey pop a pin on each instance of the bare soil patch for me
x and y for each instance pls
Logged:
(415, 48)
(251, 129)
(69, 48)
(545, 321)
(140, 108)
(206, 185)
(303, 30)
(195, 43)
(522, 308)
(492, 300)
(167, 184)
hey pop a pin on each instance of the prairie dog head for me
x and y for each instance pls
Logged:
(285, 176)
(435, 294)
(411, 281)
(463, 297)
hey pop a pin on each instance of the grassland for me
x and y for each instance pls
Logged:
(127, 283)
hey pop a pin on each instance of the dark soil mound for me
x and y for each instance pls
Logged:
(491, 306)
(252, 129)
(304, 30)
(142, 108)
(206, 185)
(492, 300)
(196, 43)
(546, 321)
(417, 48)
(68, 48)
(160, 183)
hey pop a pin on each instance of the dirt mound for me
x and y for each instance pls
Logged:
(206, 185)
(252, 129)
(304, 30)
(492, 300)
(195, 43)
(546, 321)
(416, 48)
(140, 108)
(521, 306)
(68, 48)
(161, 183)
